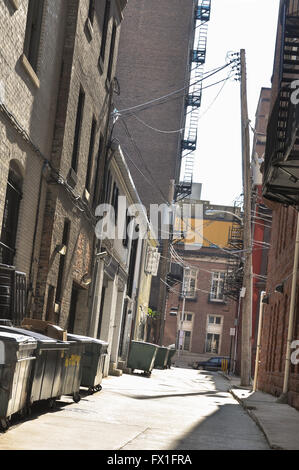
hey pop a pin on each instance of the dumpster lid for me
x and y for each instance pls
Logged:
(43, 341)
(86, 339)
(17, 338)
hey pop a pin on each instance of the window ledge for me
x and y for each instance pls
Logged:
(32, 75)
(15, 3)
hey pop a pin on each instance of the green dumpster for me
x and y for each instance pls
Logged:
(92, 361)
(161, 358)
(16, 361)
(171, 353)
(142, 356)
(47, 372)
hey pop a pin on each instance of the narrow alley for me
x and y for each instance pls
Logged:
(175, 409)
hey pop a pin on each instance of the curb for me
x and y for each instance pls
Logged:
(255, 419)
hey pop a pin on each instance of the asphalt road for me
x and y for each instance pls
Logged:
(176, 409)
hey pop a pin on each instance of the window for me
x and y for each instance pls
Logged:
(91, 11)
(111, 54)
(190, 281)
(184, 340)
(10, 215)
(105, 31)
(217, 287)
(90, 154)
(214, 320)
(78, 127)
(33, 31)
(65, 239)
(188, 317)
(96, 195)
(212, 343)
(114, 200)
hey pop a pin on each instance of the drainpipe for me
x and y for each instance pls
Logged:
(284, 396)
(258, 345)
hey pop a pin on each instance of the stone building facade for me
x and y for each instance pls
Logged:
(57, 83)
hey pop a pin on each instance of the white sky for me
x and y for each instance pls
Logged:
(234, 25)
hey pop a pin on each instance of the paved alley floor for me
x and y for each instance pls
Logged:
(175, 409)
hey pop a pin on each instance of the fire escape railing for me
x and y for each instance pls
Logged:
(235, 266)
(193, 99)
(281, 168)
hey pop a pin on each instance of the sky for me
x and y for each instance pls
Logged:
(234, 25)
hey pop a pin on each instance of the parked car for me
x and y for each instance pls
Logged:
(214, 363)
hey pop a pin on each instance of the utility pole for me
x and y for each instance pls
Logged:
(164, 269)
(247, 301)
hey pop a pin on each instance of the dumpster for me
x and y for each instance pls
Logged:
(161, 358)
(17, 359)
(72, 368)
(142, 356)
(47, 372)
(92, 361)
(171, 353)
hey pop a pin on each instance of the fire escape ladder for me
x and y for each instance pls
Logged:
(193, 98)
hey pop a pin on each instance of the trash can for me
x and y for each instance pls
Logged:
(171, 353)
(161, 358)
(142, 356)
(47, 372)
(16, 362)
(72, 368)
(92, 362)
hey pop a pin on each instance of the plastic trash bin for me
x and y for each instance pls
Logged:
(47, 372)
(16, 361)
(161, 358)
(72, 368)
(92, 362)
(171, 353)
(142, 356)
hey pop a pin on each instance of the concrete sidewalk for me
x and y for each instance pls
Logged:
(278, 422)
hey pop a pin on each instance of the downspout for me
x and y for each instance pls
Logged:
(284, 396)
(258, 346)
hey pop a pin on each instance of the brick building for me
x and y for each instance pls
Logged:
(209, 315)
(277, 374)
(156, 56)
(57, 85)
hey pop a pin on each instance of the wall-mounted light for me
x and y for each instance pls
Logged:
(101, 255)
(266, 299)
(279, 288)
(61, 249)
(86, 279)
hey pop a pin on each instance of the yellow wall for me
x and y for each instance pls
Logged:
(205, 232)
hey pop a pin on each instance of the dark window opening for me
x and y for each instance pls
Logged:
(33, 31)
(96, 194)
(78, 127)
(111, 54)
(114, 201)
(65, 238)
(101, 311)
(10, 217)
(132, 267)
(105, 30)
(73, 308)
(90, 154)
(91, 10)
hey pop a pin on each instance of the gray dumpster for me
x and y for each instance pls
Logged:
(72, 368)
(16, 362)
(92, 362)
(47, 372)
(161, 358)
(142, 356)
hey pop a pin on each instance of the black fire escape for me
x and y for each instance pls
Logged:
(235, 266)
(281, 173)
(193, 98)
